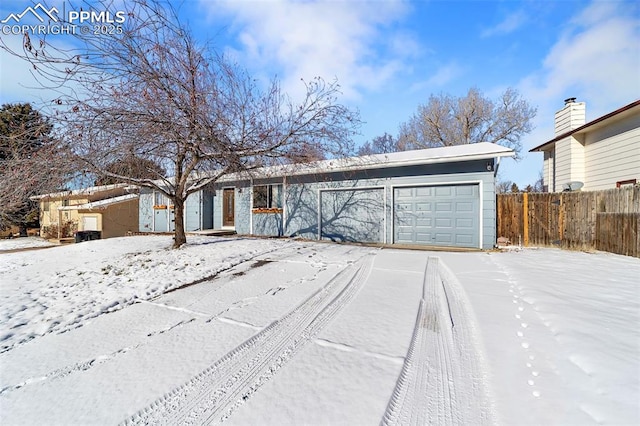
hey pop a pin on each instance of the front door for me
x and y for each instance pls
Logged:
(228, 213)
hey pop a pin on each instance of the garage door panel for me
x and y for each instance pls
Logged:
(422, 191)
(424, 237)
(451, 220)
(405, 192)
(464, 206)
(444, 207)
(444, 238)
(423, 207)
(466, 190)
(443, 191)
(462, 239)
(464, 223)
(443, 222)
(424, 222)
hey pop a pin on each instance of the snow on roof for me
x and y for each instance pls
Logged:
(468, 152)
(100, 204)
(83, 191)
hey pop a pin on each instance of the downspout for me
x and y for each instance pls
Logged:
(284, 204)
(153, 211)
(59, 223)
(250, 205)
(384, 218)
(495, 172)
(319, 214)
(184, 214)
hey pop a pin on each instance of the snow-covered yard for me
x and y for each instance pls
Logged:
(257, 331)
(23, 243)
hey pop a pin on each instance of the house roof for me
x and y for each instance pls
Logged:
(97, 205)
(590, 125)
(449, 154)
(84, 191)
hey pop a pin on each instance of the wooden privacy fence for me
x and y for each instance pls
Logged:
(601, 220)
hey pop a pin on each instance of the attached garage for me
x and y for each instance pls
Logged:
(431, 197)
(438, 215)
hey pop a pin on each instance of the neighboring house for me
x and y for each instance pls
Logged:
(434, 197)
(601, 154)
(110, 209)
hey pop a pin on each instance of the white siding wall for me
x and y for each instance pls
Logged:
(569, 162)
(548, 172)
(570, 117)
(610, 157)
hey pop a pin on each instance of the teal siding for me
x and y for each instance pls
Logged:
(243, 209)
(145, 210)
(193, 212)
(207, 209)
(267, 224)
(217, 209)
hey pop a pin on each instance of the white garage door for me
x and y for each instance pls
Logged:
(446, 215)
(90, 223)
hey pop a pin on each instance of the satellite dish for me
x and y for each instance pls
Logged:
(572, 186)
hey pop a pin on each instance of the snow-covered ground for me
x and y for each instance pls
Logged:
(24, 243)
(263, 331)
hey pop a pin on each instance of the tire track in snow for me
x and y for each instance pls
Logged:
(60, 373)
(442, 381)
(213, 395)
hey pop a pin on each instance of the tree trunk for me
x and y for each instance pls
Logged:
(179, 237)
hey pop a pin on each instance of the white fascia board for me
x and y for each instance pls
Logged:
(100, 204)
(84, 191)
(472, 152)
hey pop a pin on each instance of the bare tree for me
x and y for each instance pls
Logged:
(379, 145)
(446, 120)
(152, 90)
(133, 167)
(30, 163)
(503, 186)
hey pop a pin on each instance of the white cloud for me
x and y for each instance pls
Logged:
(331, 39)
(511, 23)
(597, 60)
(443, 75)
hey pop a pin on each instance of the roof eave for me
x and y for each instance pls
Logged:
(294, 170)
(540, 148)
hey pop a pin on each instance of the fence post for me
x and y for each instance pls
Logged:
(561, 219)
(525, 218)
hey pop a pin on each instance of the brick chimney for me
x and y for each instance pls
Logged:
(571, 116)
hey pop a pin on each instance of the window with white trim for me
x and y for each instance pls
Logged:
(267, 196)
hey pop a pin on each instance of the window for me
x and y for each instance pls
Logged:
(159, 199)
(46, 206)
(267, 197)
(628, 182)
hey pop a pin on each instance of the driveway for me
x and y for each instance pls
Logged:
(314, 333)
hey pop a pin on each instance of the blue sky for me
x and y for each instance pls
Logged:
(389, 56)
